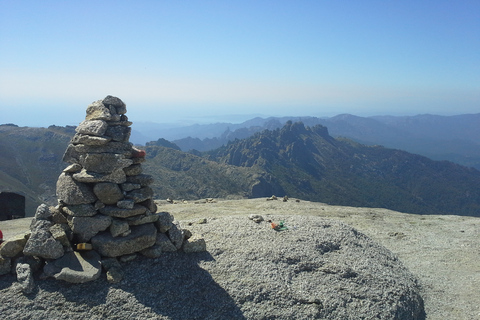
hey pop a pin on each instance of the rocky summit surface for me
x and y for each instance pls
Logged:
(329, 263)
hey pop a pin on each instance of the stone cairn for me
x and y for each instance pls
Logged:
(105, 213)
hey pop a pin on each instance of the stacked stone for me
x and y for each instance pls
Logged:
(105, 204)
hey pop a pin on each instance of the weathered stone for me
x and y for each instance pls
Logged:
(57, 215)
(164, 243)
(25, 277)
(115, 116)
(84, 228)
(122, 122)
(90, 140)
(42, 244)
(104, 162)
(98, 111)
(75, 267)
(99, 205)
(123, 148)
(73, 168)
(133, 170)
(35, 263)
(71, 154)
(13, 246)
(114, 270)
(150, 205)
(140, 195)
(5, 265)
(40, 224)
(116, 102)
(72, 192)
(142, 219)
(194, 244)
(126, 204)
(130, 186)
(43, 212)
(59, 232)
(123, 213)
(81, 210)
(107, 192)
(164, 222)
(187, 234)
(154, 251)
(92, 127)
(142, 179)
(175, 234)
(140, 238)
(256, 218)
(115, 275)
(118, 227)
(119, 133)
(117, 176)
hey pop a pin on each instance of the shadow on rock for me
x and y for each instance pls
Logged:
(172, 286)
(175, 286)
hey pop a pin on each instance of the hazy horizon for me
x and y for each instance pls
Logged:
(200, 62)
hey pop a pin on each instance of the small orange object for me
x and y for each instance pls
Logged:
(274, 225)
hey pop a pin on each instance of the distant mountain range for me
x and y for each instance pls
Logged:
(452, 138)
(295, 159)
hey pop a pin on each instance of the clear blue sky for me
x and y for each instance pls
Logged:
(202, 60)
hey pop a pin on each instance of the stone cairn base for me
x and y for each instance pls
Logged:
(105, 210)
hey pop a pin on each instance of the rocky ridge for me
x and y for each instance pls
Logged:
(105, 209)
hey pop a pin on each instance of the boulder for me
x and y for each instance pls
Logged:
(13, 246)
(84, 228)
(107, 192)
(117, 176)
(103, 162)
(119, 105)
(92, 127)
(117, 212)
(98, 111)
(119, 227)
(75, 267)
(141, 237)
(164, 222)
(126, 204)
(72, 192)
(194, 244)
(90, 140)
(130, 186)
(164, 243)
(42, 244)
(25, 277)
(142, 219)
(43, 212)
(81, 210)
(143, 180)
(133, 170)
(62, 233)
(140, 195)
(118, 133)
(175, 234)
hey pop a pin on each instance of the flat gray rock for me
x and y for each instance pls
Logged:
(141, 237)
(75, 267)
